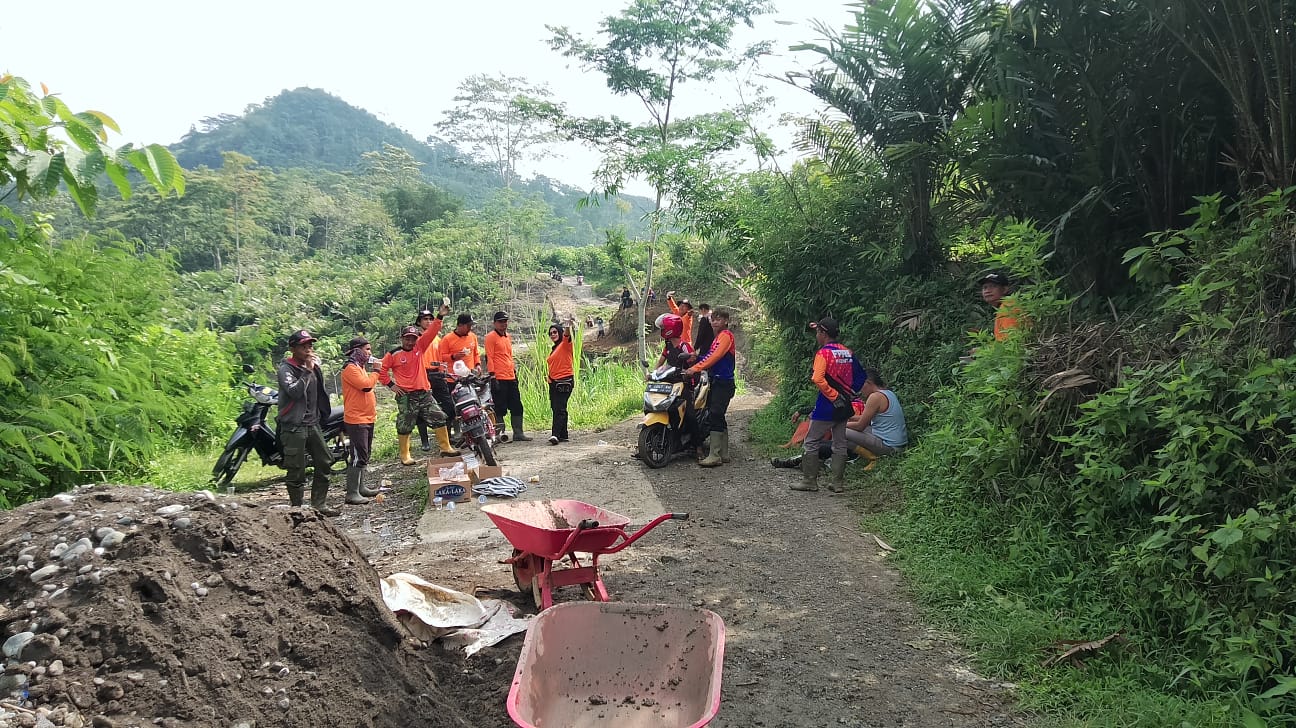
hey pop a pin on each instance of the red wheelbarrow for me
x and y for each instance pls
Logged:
(627, 665)
(546, 531)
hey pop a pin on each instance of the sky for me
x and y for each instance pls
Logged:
(158, 67)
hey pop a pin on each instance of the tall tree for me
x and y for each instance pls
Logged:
(902, 74)
(648, 52)
(491, 118)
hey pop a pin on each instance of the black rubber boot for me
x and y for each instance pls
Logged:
(295, 495)
(518, 435)
(319, 500)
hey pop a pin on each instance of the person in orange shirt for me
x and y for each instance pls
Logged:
(440, 387)
(460, 345)
(722, 364)
(995, 288)
(684, 310)
(359, 410)
(562, 379)
(504, 387)
(402, 372)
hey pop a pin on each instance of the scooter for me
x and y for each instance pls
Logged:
(673, 423)
(253, 432)
(475, 417)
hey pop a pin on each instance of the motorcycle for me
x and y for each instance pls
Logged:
(475, 416)
(253, 432)
(674, 417)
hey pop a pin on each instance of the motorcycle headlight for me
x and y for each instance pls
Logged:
(265, 395)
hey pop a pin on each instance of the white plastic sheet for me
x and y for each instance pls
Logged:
(432, 612)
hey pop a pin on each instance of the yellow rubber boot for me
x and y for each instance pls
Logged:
(868, 455)
(405, 450)
(443, 441)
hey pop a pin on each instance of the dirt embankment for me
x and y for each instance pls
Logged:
(133, 607)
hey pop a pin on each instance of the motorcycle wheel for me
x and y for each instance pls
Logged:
(339, 446)
(485, 451)
(228, 464)
(654, 446)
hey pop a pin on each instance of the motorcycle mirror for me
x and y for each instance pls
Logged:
(248, 369)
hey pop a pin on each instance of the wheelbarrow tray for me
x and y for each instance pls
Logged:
(542, 527)
(618, 664)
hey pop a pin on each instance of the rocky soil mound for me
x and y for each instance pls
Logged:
(137, 607)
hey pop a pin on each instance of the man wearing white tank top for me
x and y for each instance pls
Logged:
(881, 427)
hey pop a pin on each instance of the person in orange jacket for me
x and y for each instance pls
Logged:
(504, 386)
(440, 384)
(359, 410)
(995, 288)
(722, 363)
(402, 372)
(562, 379)
(684, 310)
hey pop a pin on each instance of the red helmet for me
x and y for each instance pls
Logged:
(670, 325)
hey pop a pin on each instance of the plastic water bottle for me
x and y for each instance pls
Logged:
(436, 503)
(367, 526)
(450, 505)
(481, 500)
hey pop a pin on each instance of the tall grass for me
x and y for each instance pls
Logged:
(606, 391)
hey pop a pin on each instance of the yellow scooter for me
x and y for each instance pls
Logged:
(674, 415)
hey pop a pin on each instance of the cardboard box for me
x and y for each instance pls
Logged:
(482, 472)
(436, 482)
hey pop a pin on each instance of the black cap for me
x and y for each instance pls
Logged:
(828, 326)
(464, 318)
(354, 344)
(501, 316)
(300, 336)
(410, 331)
(997, 278)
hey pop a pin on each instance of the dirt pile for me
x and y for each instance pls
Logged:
(133, 607)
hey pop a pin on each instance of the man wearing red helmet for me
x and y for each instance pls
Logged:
(676, 351)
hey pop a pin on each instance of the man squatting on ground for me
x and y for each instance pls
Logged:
(403, 373)
(303, 406)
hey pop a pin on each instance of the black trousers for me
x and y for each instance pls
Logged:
(441, 393)
(722, 392)
(508, 399)
(560, 392)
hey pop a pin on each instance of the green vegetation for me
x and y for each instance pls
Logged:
(1122, 464)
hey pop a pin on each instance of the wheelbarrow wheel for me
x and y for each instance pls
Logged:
(524, 571)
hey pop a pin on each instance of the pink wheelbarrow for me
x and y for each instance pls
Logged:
(545, 532)
(625, 665)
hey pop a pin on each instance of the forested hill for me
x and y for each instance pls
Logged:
(308, 128)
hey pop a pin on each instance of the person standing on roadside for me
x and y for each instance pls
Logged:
(836, 374)
(402, 372)
(504, 387)
(684, 310)
(436, 374)
(359, 411)
(705, 334)
(562, 379)
(722, 363)
(303, 407)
